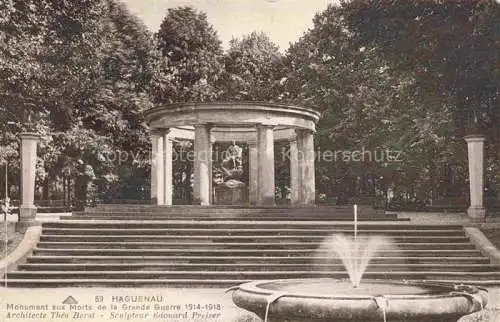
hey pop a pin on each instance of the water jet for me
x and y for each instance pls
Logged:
(354, 299)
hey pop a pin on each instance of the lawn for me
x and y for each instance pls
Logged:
(493, 234)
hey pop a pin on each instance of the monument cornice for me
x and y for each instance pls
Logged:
(232, 120)
(268, 110)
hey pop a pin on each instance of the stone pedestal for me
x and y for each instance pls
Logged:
(202, 165)
(253, 177)
(229, 195)
(265, 146)
(27, 209)
(475, 149)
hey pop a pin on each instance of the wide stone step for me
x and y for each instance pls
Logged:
(101, 282)
(196, 246)
(244, 239)
(194, 209)
(252, 275)
(161, 266)
(236, 224)
(187, 210)
(186, 259)
(248, 231)
(83, 244)
(238, 214)
(217, 283)
(229, 252)
(267, 217)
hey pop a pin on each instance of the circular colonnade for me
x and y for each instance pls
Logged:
(257, 124)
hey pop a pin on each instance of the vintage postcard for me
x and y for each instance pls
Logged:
(249, 160)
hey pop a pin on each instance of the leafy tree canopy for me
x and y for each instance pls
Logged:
(452, 45)
(254, 68)
(190, 64)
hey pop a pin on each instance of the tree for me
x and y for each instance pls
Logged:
(253, 69)
(450, 47)
(43, 75)
(365, 106)
(127, 59)
(190, 58)
(423, 38)
(24, 29)
(82, 72)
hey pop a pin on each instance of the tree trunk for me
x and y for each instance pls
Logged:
(46, 189)
(64, 191)
(81, 184)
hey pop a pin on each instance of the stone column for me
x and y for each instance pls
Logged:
(27, 209)
(305, 141)
(475, 147)
(295, 157)
(157, 168)
(167, 172)
(253, 175)
(154, 167)
(265, 146)
(202, 165)
(211, 179)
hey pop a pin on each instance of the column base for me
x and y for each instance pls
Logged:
(476, 212)
(198, 202)
(27, 218)
(252, 200)
(27, 213)
(266, 201)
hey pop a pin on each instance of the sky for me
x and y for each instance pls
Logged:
(283, 20)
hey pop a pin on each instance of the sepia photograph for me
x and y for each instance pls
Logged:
(250, 160)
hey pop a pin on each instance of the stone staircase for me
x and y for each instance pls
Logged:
(189, 246)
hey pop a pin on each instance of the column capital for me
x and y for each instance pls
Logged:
(475, 138)
(167, 137)
(29, 136)
(300, 131)
(207, 126)
(159, 131)
(265, 126)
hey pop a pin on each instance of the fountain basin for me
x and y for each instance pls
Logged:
(325, 299)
